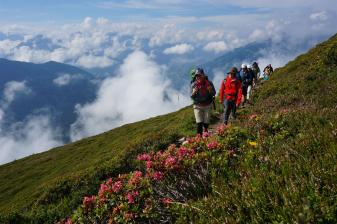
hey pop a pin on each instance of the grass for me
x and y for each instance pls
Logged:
(47, 186)
(290, 177)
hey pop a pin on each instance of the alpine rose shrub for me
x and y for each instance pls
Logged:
(176, 174)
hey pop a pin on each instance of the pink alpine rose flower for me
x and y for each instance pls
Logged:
(131, 196)
(213, 145)
(144, 157)
(158, 176)
(170, 161)
(117, 186)
(89, 202)
(149, 164)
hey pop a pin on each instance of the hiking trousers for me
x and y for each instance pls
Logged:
(230, 106)
(202, 113)
(249, 91)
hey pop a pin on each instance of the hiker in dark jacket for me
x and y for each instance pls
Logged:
(231, 92)
(202, 93)
(244, 78)
(256, 71)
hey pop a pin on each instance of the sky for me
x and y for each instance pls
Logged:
(142, 39)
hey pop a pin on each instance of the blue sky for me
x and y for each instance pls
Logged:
(62, 11)
(148, 37)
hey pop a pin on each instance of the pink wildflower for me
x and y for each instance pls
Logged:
(89, 202)
(213, 145)
(102, 191)
(148, 164)
(144, 157)
(158, 176)
(182, 152)
(117, 186)
(109, 182)
(167, 201)
(170, 161)
(221, 130)
(131, 196)
(136, 177)
(206, 134)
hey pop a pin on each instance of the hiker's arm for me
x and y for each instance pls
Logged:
(221, 91)
(194, 90)
(239, 96)
(213, 89)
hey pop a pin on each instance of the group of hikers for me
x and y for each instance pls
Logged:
(235, 91)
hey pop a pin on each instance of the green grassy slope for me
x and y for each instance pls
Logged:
(290, 176)
(48, 185)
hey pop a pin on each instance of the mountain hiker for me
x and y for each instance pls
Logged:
(243, 77)
(250, 80)
(202, 94)
(230, 94)
(267, 71)
(256, 71)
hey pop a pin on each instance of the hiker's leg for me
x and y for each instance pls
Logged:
(227, 112)
(249, 89)
(198, 118)
(207, 113)
(234, 109)
(244, 95)
(199, 128)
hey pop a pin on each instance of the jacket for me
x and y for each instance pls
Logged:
(204, 94)
(231, 88)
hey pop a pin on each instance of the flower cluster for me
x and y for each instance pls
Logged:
(135, 196)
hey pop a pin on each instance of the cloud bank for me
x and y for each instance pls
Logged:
(34, 134)
(139, 91)
(179, 49)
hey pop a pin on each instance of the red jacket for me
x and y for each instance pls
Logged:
(232, 89)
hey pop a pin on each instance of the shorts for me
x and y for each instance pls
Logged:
(202, 113)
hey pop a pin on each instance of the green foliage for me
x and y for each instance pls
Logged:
(45, 187)
(277, 164)
(286, 173)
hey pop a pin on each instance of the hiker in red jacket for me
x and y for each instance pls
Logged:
(231, 90)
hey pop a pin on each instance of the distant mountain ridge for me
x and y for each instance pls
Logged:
(291, 147)
(53, 86)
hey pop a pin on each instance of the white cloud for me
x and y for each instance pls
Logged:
(276, 59)
(179, 49)
(92, 61)
(7, 46)
(66, 79)
(87, 23)
(319, 16)
(167, 34)
(217, 47)
(210, 35)
(13, 89)
(34, 135)
(101, 21)
(219, 75)
(138, 92)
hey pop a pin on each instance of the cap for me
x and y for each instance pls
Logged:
(243, 66)
(199, 71)
(233, 70)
